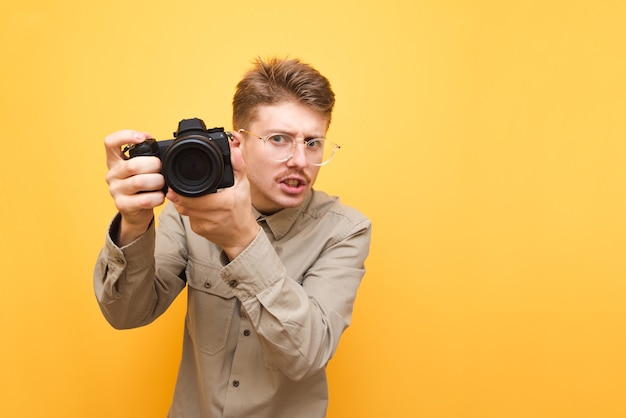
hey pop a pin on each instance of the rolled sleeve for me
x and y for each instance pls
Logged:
(254, 270)
(128, 292)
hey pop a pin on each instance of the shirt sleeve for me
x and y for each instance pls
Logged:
(300, 324)
(125, 285)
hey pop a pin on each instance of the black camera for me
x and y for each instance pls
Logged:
(195, 163)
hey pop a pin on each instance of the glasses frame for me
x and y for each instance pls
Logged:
(266, 138)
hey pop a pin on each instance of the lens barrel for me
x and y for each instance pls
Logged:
(193, 166)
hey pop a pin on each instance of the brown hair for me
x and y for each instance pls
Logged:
(276, 80)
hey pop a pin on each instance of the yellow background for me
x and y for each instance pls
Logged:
(485, 139)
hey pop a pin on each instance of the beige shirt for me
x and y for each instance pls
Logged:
(259, 329)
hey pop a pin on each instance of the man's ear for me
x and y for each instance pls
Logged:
(236, 139)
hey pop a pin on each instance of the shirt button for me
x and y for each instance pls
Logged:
(236, 383)
(246, 332)
(207, 284)
(233, 283)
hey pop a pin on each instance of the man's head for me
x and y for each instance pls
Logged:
(280, 80)
(284, 97)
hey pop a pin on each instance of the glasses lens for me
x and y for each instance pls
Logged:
(317, 151)
(280, 147)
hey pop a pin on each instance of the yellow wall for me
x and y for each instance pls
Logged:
(485, 139)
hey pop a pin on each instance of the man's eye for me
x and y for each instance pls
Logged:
(279, 139)
(315, 144)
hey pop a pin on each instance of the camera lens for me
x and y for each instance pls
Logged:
(193, 166)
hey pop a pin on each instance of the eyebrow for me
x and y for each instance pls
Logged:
(281, 131)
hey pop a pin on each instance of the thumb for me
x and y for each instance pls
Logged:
(239, 165)
(114, 142)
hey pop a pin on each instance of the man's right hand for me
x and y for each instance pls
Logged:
(127, 178)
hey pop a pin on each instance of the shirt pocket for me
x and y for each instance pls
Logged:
(210, 307)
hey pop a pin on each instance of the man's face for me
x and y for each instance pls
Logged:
(278, 185)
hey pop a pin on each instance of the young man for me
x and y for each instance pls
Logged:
(272, 266)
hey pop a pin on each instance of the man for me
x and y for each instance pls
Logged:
(272, 266)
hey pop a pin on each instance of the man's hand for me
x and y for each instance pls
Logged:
(128, 177)
(224, 218)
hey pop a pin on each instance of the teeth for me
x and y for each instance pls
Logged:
(292, 183)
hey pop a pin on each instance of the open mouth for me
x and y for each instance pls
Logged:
(293, 183)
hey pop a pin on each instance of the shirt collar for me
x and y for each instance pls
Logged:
(281, 222)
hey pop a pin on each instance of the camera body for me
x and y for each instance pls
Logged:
(195, 163)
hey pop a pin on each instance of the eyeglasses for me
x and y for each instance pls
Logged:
(281, 147)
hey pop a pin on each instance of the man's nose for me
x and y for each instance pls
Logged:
(298, 158)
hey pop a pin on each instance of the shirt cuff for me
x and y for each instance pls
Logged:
(257, 268)
(133, 255)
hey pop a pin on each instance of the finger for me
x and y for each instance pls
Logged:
(133, 167)
(173, 196)
(131, 204)
(137, 184)
(201, 206)
(238, 164)
(184, 205)
(114, 142)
